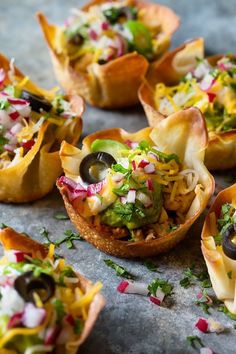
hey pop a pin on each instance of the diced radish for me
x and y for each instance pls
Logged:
(143, 163)
(16, 256)
(150, 168)
(211, 96)
(5, 120)
(206, 350)
(121, 45)
(67, 182)
(123, 200)
(51, 335)
(14, 115)
(16, 128)
(105, 26)
(28, 144)
(9, 148)
(207, 82)
(202, 325)
(17, 101)
(155, 300)
(94, 188)
(131, 196)
(2, 76)
(150, 184)
(160, 295)
(131, 287)
(131, 144)
(33, 316)
(215, 326)
(134, 165)
(93, 35)
(69, 319)
(122, 286)
(23, 110)
(144, 199)
(15, 320)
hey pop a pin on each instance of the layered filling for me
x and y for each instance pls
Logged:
(223, 228)
(42, 303)
(108, 31)
(131, 190)
(22, 114)
(212, 89)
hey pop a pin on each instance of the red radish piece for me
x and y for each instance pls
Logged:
(202, 325)
(33, 316)
(16, 256)
(144, 199)
(155, 300)
(143, 163)
(121, 45)
(2, 76)
(28, 144)
(18, 101)
(51, 335)
(93, 35)
(123, 200)
(94, 188)
(207, 82)
(16, 129)
(105, 26)
(69, 319)
(205, 350)
(211, 96)
(15, 320)
(117, 177)
(150, 184)
(150, 168)
(14, 115)
(131, 196)
(132, 287)
(8, 148)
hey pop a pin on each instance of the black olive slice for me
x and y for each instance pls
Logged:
(37, 103)
(228, 245)
(94, 165)
(128, 12)
(77, 39)
(27, 284)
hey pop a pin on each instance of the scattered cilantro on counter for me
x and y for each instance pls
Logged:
(193, 340)
(161, 284)
(120, 271)
(150, 265)
(61, 216)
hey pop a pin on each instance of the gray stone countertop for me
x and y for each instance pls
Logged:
(129, 324)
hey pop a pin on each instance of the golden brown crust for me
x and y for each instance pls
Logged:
(115, 84)
(35, 175)
(221, 151)
(185, 134)
(11, 239)
(218, 264)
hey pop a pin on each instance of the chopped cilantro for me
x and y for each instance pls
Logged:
(194, 340)
(123, 190)
(70, 236)
(3, 226)
(191, 275)
(45, 233)
(61, 216)
(185, 282)
(229, 274)
(78, 326)
(223, 308)
(59, 307)
(3, 141)
(150, 265)
(120, 271)
(119, 168)
(161, 284)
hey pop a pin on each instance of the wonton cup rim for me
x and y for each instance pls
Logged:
(12, 240)
(191, 120)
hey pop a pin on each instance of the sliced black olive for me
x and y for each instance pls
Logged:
(77, 39)
(129, 12)
(114, 14)
(228, 245)
(27, 284)
(102, 61)
(94, 165)
(37, 103)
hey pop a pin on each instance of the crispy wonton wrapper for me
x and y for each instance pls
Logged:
(12, 240)
(35, 174)
(183, 134)
(115, 84)
(221, 151)
(218, 264)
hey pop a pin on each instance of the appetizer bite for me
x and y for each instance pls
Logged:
(45, 306)
(33, 123)
(219, 247)
(136, 195)
(104, 49)
(185, 78)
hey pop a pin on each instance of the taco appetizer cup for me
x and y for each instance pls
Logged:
(44, 306)
(218, 246)
(33, 123)
(104, 49)
(184, 78)
(136, 195)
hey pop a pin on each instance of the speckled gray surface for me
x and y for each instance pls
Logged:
(128, 324)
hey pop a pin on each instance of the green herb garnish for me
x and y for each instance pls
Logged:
(161, 284)
(120, 271)
(61, 216)
(150, 265)
(193, 340)
(78, 326)
(70, 236)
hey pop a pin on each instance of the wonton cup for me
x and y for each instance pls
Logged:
(115, 84)
(183, 134)
(221, 151)
(217, 262)
(35, 175)
(12, 240)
